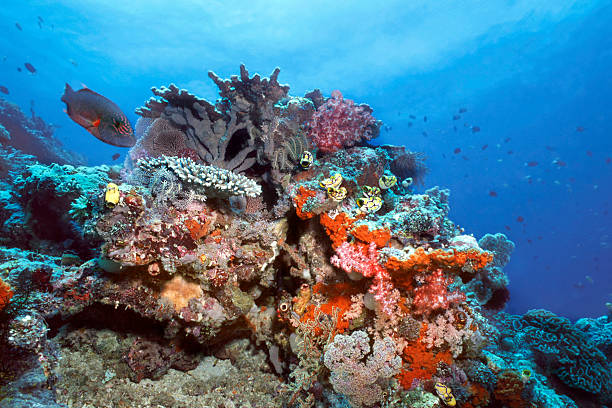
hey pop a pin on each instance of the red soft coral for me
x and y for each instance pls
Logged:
(364, 260)
(340, 123)
(434, 295)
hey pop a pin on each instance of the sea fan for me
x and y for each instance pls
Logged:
(410, 165)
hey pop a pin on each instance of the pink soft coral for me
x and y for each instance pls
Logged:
(340, 123)
(434, 295)
(352, 259)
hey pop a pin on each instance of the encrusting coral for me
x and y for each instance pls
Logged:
(266, 222)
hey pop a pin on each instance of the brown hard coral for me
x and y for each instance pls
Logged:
(509, 389)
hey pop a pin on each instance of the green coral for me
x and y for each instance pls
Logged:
(80, 209)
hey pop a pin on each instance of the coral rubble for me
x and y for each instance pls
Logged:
(257, 251)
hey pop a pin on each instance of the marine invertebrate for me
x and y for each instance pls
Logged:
(409, 165)
(509, 389)
(567, 350)
(364, 260)
(340, 123)
(356, 373)
(301, 201)
(207, 179)
(421, 363)
(433, 294)
(5, 294)
(179, 290)
(500, 246)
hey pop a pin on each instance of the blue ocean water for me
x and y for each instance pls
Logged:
(533, 77)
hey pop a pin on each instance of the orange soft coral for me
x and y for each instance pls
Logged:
(5, 294)
(300, 200)
(338, 296)
(380, 237)
(419, 362)
(197, 229)
(337, 228)
(421, 260)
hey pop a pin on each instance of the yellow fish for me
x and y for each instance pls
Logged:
(446, 394)
(112, 194)
(336, 194)
(306, 159)
(371, 191)
(407, 182)
(526, 375)
(369, 204)
(386, 182)
(334, 181)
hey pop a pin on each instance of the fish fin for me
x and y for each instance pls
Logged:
(96, 122)
(89, 91)
(67, 91)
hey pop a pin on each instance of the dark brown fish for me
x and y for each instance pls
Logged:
(531, 164)
(579, 129)
(493, 193)
(18, 26)
(456, 117)
(484, 147)
(99, 116)
(475, 129)
(4, 90)
(115, 156)
(457, 150)
(462, 110)
(30, 67)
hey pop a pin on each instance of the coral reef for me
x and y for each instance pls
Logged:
(227, 263)
(33, 136)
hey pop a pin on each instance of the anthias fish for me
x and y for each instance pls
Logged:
(99, 116)
(4, 89)
(30, 67)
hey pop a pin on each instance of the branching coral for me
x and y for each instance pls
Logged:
(209, 179)
(340, 123)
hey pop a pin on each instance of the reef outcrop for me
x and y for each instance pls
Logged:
(242, 240)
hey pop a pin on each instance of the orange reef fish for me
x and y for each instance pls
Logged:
(99, 116)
